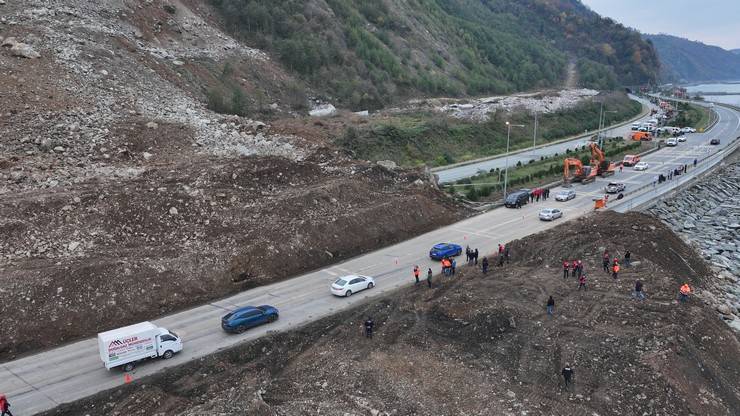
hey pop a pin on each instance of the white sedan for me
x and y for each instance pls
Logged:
(347, 285)
(549, 214)
(681, 139)
(641, 166)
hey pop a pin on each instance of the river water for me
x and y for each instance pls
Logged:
(728, 88)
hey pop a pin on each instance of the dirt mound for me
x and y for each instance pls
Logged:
(172, 235)
(483, 344)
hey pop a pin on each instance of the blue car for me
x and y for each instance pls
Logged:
(442, 250)
(247, 317)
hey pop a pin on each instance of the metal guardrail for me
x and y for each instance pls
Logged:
(703, 165)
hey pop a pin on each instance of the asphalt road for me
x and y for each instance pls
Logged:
(466, 171)
(44, 380)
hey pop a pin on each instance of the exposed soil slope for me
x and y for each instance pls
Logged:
(483, 345)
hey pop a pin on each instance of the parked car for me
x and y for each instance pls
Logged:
(614, 188)
(630, 160)
(239, 320)
(641, 166)
(714, 141)
(671, 142)
(681, 138)
(442, 250)
(549, 214)
(516, 199)
(347, 285)
(565, 195)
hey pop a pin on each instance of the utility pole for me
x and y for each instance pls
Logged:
(534, 136)
(508, 139)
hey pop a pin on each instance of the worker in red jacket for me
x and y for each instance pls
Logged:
(566, 265)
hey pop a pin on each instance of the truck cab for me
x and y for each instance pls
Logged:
(168, 343)
(630, 160)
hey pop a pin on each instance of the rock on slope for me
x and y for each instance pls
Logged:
(483, 345)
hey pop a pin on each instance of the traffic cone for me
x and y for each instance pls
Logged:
(127, 378)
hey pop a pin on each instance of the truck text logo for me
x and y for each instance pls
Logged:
(120, 342)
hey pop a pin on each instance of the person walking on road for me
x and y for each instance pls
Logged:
(429, 278)
(565, 269)
(567, 374)
(627, 257)
(615, 271)
(467, 254)
(639, 295)
(550, 306)
(417, 272)
(369, 325)
(4, 406)
(582, 282)
(484, 265)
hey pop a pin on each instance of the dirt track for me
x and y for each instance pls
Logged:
(483, 345)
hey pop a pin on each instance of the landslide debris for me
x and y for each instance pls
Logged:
(483, 344)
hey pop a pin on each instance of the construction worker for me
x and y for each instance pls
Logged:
(429, 278)
(453, 266)
(684, 292)
(369, 325)
(580, 268)
(573, 267)
(565, 269)
(484, 265)
(627, 256)
(615, 271)
(582, 282)
(417, 272)
(639, 295)
(550, 306)
(605, 261)
(567, 374)
(4, 406)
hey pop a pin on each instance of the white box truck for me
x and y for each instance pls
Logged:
(124, 347)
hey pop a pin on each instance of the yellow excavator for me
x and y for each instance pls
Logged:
(574, 171)
(602, 166)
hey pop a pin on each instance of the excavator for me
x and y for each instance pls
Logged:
(584, 174)
(604, 167)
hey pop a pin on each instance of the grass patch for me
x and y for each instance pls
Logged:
(428, 139)
(537, 173)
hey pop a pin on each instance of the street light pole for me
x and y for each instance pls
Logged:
(508, 139)
(534, 136)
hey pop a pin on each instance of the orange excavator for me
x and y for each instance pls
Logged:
(584, 174)
(604, 167)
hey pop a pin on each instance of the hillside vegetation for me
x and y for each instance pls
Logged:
(684, 60)
(431, 139)
(368, 53)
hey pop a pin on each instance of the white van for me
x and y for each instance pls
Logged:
(124, 347)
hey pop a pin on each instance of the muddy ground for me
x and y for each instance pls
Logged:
(483, 344)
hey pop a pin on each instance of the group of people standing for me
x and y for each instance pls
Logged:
(538, 193)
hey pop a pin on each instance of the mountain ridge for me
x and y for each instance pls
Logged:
(685, 60)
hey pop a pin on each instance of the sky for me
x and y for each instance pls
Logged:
(714, 22)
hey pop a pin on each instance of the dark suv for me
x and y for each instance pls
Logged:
(517, 199)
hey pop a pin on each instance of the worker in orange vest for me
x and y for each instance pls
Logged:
(416, 274)
(615, 270)
(684, 292)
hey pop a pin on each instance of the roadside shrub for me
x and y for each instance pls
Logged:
(472, 194)
(485, 191)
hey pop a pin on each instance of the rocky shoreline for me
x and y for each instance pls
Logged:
(707, 215)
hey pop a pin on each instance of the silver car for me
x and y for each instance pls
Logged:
(549, 214)
(565, 195)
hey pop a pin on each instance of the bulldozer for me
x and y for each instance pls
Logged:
(599, 162)
(583, 174)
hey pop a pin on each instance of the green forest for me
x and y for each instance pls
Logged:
(366, 54)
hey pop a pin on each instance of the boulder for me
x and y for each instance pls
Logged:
(324, 110)
(388, 164)
(24, 51)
